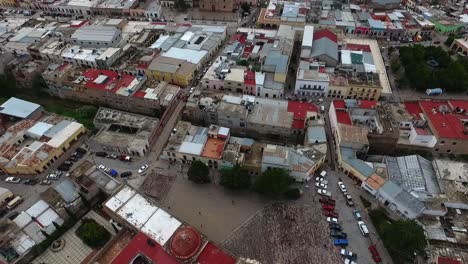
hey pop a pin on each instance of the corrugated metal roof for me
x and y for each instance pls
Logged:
(67, 190)
(57, 128)
(316, 134)
(325, 46)
(96, 33)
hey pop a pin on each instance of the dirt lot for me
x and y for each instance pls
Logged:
(284, 233)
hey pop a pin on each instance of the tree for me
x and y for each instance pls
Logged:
(198, 172)
(180, 5)
(242, 63)
(273, 182)
(401, 238)
(86, 111)
(8, 86)
(395, 64)
(93, 234)
(245, 7)
(235, 178)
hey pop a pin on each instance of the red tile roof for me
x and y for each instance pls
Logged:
(366, 104)
(414, 109)
(300, 110)
(211, 254)
(185, 243)
(140, 94)
(112, 83)
(247, 50)
(238, 37)
(249, 77)
(339, 104)
(445, 260)
(358, 47)
(139, 245)
(325, 33)
(446, 125)
(343, 117)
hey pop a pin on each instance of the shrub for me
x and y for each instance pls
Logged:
(293, 193)
(93, 234)
(365, 202)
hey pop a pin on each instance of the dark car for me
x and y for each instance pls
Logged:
(338, 234)
(30, 182)
(3, 212)
(329, 201)
(77, 155)
(12, 215)
(335, 226)
(63, 167)
(126, 174)
(68, 163)
(81, 150)
(101, 154)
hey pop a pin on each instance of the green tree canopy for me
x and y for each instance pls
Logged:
(293, 193)
(86, 111)
(92, 234)
(273, 182)
(245, 7)
(8, 86)
(198, 172)
(242, 63)
(235, 178)
(180, 5)
(402, 238)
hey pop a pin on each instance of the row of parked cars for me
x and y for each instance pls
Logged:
(113, 156)
(340, 238)
(361, 224)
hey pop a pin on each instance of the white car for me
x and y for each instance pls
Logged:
(323, 192)
(13, 180)
(363, 228)
(332, 220)
(348, 261)
(342, 187)
(53, 176)
(319, 179)
(143, 168)
(321, 185)
(347, 254)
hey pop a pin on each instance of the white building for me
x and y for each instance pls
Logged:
(311, 80)
(97, 36)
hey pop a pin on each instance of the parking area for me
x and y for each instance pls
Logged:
(358, 243)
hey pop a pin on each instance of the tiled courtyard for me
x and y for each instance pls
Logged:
(74, 251)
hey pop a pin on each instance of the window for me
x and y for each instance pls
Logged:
(442, 142)
(449, 150)
(454, 143)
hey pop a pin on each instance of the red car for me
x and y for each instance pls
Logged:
(329, 201)
(330, 213)
(328, 207)
(375, 254)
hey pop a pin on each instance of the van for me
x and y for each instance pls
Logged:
(13, 203)
(363, 228)
(323, 174)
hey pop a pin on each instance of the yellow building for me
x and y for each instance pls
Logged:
(174, 71)
(32, 146)
(364, 92)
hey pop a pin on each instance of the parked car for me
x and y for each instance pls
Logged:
(125, 158)
(342, 187)
(81, 150)
(363, 228)
(30, 182)
(328, 207)
(321, 185)
(77, 155)
(64, 167)
(111, 156)
(375, 254)
(357, 215)
(348, 254)
(340, 242)
(349, 261)
(330, 213)
(101, 154)
(335, 226)
(126, 174)
(319, 179)
(332, 220)
(323, 174)
(323, 192)
(349, 200)
(327, 200)
(45, 182)
(12, 215)
(338, 234)
(68, 162)
(13, 180)
(143, 168)
(53, 176)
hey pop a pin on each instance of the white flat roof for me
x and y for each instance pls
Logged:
(308, 36)
(38, 208)
(120, 198)
(161, 226)
(137, 211)
(48, 217)
(18, 108)
(193, 56)
(191, 148)
(22, 219)
(64, 134)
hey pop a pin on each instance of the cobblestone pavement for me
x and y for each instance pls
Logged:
(285, 233)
